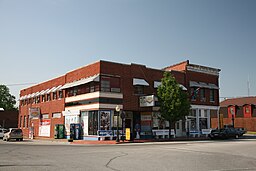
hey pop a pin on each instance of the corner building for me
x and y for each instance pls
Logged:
(86, 98)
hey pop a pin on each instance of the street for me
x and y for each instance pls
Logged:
(221, 155)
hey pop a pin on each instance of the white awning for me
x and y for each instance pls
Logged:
(194, 84)
(183, 87)
(157, 84)
(43, 92)
(22, 97)
(213, 86)
(57, 88)
(25, 97)
(28, 96)
(81, 82)
(203, 85)
(37, 93)
(50, 90)
(137, 81)
(33, 95)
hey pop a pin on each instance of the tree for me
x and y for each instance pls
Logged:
(7, 101)
(174, 102)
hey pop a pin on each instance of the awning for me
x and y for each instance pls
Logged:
(45, 91)
(57, 88)
(194, 84)
(157, 84)
(203, 85)
(50, 90)
(81, 82)
(32, 95)
(137, 81)
(183, 87)
(213, 86)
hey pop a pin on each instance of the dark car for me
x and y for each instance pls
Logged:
(225, 133)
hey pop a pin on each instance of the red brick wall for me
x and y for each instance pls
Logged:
(178, 67)
(206, 78)
(248, 123)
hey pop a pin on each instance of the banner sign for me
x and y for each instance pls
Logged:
(34, 113)
(147, 101)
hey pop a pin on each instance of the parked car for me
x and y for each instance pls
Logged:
(241, 131)
(225, 133)
(2, 131)
(13, 133)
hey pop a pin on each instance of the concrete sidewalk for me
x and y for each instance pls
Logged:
(109, 142)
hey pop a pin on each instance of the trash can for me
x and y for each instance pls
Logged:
(59, 131)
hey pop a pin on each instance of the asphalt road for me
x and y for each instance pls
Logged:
(222, 155)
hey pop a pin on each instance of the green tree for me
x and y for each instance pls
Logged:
(7, 101)
(174, 102)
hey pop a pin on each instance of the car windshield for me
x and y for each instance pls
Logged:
(17, 131)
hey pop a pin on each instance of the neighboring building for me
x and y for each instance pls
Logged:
(9, 119)
(239, 112)
(88, 96)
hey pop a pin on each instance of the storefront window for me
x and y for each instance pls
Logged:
(93, 122)
(105, 120)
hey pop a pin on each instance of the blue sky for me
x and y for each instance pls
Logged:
(40, 40)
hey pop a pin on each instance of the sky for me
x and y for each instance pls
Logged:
(43, 39)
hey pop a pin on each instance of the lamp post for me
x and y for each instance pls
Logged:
(123, 118)
(117, 127)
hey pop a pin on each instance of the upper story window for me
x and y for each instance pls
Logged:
(212, 96)
(194, 93)
(48, 97)
(60, 94)
(38, 99)
(105, 85)
(43, 98)
(54, 95)
(139, 90)
(202, 95)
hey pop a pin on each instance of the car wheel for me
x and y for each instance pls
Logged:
(237, 136)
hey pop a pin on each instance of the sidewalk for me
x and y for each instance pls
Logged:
(110, 142)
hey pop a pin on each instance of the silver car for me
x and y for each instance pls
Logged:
(13, 133)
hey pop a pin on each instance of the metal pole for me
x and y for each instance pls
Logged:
(117, 133)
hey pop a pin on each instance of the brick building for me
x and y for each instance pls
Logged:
(239, 112)
(88, 96)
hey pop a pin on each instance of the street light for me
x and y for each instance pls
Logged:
(117, 129)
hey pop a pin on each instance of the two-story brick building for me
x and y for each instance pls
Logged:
(88, 96)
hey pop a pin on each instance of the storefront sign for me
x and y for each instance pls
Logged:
(45, 128)
(34, 113)
(147, 101)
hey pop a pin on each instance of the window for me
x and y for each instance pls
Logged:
(194, 93)
(202, 95)
(56, 115)
(92, 89)
(139, 89)
(54, 94)
(20, 121)
(25, 121)
(212, 98)
(48, 97)
(43, 98)
(60, 94)
(45, 116)
(38, 99)
(93, 122)
(105, 85)
(75, 91)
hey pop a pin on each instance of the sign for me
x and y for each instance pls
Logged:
(45, 128)
(147, 101)
(127, 134)
(106, 133)
(34, 113)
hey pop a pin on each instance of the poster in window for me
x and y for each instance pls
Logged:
(104, 120)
